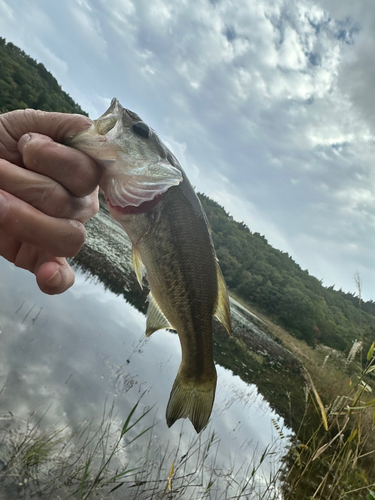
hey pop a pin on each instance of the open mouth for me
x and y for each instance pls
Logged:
(146, 206)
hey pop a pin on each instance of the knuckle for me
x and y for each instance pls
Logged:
(75, 238)
(36, 150)
(76, 124)
(87, 175)
(4, 210)
(92, 204)
(80, 187)
(95, 206)
(51, 199)
(54, 201)
(81, 209)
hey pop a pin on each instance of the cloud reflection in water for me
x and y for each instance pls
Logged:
(70, 354)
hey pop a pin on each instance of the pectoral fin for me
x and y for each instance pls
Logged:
(222, 308)
(138, 265)
(155, 318)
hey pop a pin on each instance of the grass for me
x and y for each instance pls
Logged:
(335, 461)
(327, 367)
(332, 456)
(57, 462)
(124, 460)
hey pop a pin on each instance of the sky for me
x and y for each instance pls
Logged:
(268, 105)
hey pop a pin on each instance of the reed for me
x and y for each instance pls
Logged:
(335, 461)
(123, 460)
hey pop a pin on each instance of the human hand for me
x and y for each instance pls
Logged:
(47, 192)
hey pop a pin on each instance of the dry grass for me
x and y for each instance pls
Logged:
(334, 460)
(329, 374)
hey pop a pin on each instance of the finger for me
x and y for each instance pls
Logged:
(73, 169)
(9, 247)
(53, 274)
(15, 124)
(54, 277)
(60, 237)
(45, 194)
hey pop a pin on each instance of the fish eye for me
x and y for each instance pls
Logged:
(141, 129)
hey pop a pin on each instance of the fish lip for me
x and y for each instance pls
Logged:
(144, 207)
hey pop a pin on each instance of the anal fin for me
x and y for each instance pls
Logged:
(155, 317)
(138, 265)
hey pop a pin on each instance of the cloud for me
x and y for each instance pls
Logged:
(88, 25)
(6, 10)
(272, 100)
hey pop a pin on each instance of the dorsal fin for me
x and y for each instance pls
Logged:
(155, 318)
(222, 308)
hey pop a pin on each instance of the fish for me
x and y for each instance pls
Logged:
(149, 194)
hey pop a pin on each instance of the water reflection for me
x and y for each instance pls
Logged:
(68, 357)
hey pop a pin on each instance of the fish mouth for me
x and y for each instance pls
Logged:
(144, 207)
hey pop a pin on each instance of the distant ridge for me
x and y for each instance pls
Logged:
(271, 281)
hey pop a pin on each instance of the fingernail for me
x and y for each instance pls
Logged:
(55, 280)
(80, 124)
(4, 204)
(23, 141)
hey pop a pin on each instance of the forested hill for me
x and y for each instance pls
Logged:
(254, 270)
(25, 83)
(268, 278)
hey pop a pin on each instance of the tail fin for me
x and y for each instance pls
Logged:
(191, 398)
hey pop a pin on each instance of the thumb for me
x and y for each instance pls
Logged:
(55, 125)
(15, 124)
(54, 275)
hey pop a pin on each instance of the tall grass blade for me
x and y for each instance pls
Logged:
(82, 484)
(170, 477)
(352, 435)
(370, 351)
(318, 400)
(116, 487)
(125, 427)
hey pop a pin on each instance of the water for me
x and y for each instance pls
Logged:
(65, 360)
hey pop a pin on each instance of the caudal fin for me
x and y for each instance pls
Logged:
(193, 399)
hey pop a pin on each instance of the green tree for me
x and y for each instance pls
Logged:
(26, 83)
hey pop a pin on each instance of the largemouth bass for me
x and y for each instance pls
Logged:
(148, 192)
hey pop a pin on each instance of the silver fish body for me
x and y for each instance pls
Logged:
(149, 194)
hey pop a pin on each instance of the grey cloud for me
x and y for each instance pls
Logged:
(274, 101)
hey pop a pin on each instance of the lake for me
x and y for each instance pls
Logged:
(74, 366)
